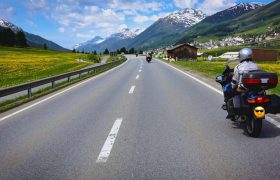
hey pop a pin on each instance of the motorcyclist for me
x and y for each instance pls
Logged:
(245, 65)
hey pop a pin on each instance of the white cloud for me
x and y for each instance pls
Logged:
(213, 6)
(61, 29)
(140, 19)
(84, 36)
(6, 12)
(138, 6)
(184, 3)
(122, 26)
(92, 9)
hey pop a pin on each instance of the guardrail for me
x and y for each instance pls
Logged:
(52, 80)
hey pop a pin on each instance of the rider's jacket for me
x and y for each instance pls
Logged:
(240, 69)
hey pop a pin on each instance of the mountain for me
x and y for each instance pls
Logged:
(237, 19)
(113, 42)
(233, 12)
(94, 41)
(6, 24)
(32, 40)
(165, 31)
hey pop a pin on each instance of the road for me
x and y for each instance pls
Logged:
(137, 121)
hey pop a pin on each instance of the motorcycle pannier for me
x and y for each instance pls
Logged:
(255, 80)
(274, 105)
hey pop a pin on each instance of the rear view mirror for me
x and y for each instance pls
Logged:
(219, 79)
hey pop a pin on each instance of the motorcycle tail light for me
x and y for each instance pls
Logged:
(251, 81)
(258, 100)
(273, 81)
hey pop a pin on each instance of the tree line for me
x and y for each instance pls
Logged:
(9, 38)
(106, 51)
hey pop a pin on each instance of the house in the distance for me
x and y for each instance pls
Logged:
(182, 52)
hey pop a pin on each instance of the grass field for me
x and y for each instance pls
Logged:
(113, 58)
(20, 65)
(213, 69)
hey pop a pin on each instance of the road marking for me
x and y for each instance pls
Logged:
(196, 79)
(269, 119)
(277, 115)
(140, 70)
(108, 145)
(137, 77)
(272, 121)
(131, 89)
(51, 97)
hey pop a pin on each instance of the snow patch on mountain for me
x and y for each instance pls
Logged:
(6, 24)
(247, 6)
(93, 41)
(188, 17)
(126, 33)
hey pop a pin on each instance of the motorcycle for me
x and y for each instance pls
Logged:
(136, 54)
(149, 58)
(251, 104)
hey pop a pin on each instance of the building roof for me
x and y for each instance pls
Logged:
(180, 45)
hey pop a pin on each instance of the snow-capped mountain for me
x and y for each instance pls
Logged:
(126, 33)
(233, 12)
(93, 41)
(166, 30)
(188, 17)
(32, 40)
(113, 42)
(6, 24)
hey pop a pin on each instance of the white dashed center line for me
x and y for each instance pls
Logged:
(140, 70)
(131, 89)
(137, 77)
(108, 145)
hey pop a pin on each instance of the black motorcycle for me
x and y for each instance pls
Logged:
(250, 104)
(149, 58)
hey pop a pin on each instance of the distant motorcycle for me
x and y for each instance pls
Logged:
(136, 54)
(251, 105)
(149, 58)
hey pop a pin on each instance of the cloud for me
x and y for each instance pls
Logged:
(212, 6)
(61, 29)
(136, 6)
(182, 4)
(140, 19)
(36, 4)
(6, 12)
(84, 36)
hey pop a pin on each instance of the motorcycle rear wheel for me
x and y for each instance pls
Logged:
(253, 126)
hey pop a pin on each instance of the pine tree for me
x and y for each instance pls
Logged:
(131, 51)
(106, 51)
(74, 50)
(7, 37)
(21, 39)
(45, 46)
(94, 52)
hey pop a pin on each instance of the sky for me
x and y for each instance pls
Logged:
(69, 22)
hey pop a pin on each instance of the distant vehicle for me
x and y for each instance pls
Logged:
(136, 54)
(149, 58)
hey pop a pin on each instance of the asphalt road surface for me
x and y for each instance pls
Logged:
(137, 121)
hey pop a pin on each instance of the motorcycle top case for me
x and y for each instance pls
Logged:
(255, 80)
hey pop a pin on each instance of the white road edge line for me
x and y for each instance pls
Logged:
(61, 92)
(131, 89)
(272, 121)
(137, 77)
(108, 145)
(269, 119)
